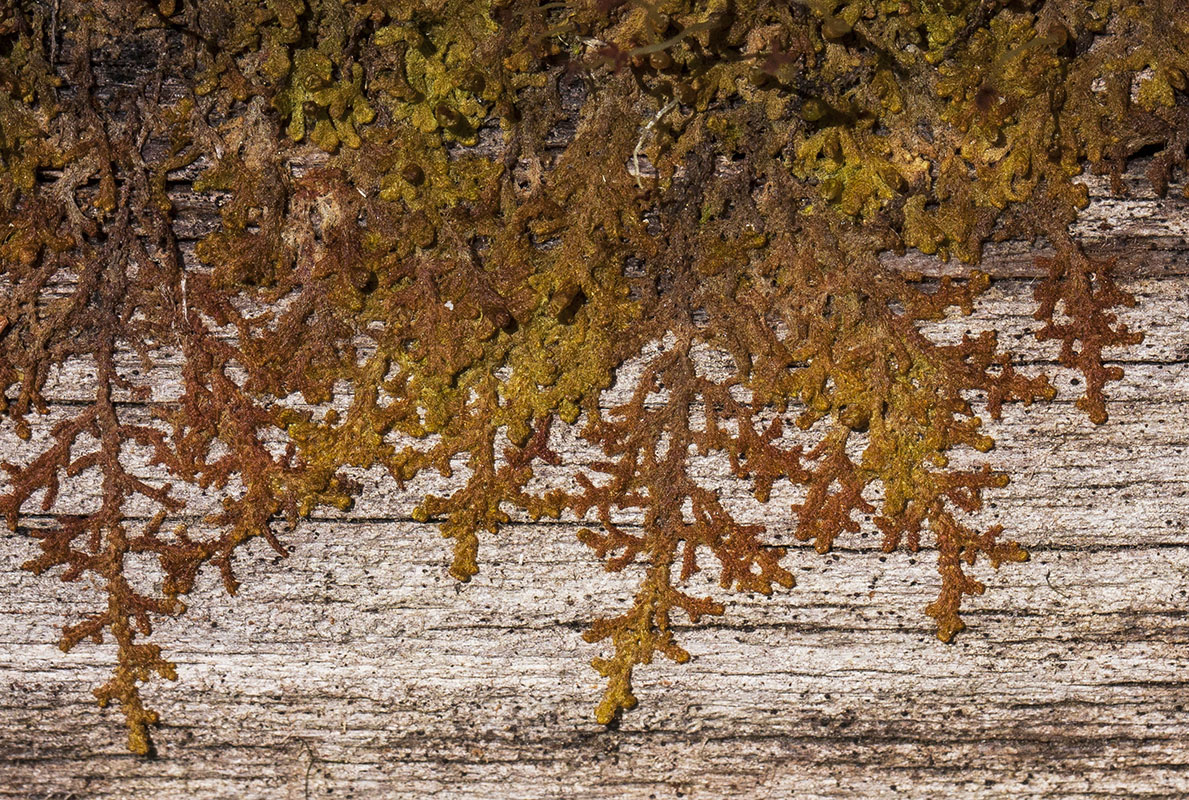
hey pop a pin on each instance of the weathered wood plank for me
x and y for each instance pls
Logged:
(1006, 307)
(359, 664)
(357, 667)
(401, 683)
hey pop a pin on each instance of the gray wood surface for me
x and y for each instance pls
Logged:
(359, 668)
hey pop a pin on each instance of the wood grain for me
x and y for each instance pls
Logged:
(358, 668)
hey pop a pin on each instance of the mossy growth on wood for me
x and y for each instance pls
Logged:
(437, 230)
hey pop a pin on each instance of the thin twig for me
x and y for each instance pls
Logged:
(54, 33)
(309, 764)
(665, 109)
(1054, 588)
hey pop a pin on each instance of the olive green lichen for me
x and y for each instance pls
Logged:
(447, 226)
